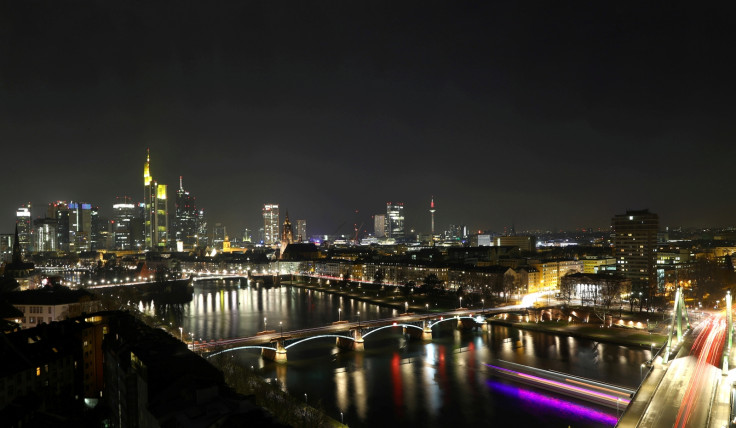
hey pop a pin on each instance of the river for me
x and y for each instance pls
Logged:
(399, 380)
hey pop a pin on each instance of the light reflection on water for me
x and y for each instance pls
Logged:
(398, 378)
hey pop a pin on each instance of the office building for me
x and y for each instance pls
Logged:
(395, 221)
(45, 234)
(301, 231)
(219, 232)
(379, 225)
(184, 229)
(270, 224)
(202, 238)
(25, 232)
(124, 214)
(635, 246)
(59, 211)
(157, 210)
(80, 226)
(524, 242)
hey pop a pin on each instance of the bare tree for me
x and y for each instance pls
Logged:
(567, 288)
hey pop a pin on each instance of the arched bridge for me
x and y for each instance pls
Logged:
(348, 335)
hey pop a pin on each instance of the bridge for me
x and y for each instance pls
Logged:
(689, 384)
(349, 336)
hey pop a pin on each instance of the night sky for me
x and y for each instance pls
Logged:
(539, 114)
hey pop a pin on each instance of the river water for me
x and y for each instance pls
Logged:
(399, 380)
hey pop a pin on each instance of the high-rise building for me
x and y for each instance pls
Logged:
(80, 226)
(25, 233)
(185, 221)
(202, 237)
(379, 225)
(301, 230)
(59, 211)
(45, 234)
(395, 220)
(270, 223)
(219, 232)
(157, 210)
(635, 245)
(124, 214)
(100, 232)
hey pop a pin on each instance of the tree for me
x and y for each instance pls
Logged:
(567, 288)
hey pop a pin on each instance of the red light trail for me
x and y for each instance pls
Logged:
(708, 348)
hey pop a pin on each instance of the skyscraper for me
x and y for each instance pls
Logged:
(59, 210)
(157, 209)
(23, 221)
(45, 234)
(270, 223)
(80, 226)
(379, 225)
(634, 246)
(395, 220)
(123, 217)
(301, 230)
(185, 223)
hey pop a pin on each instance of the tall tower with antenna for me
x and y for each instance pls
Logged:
(431, 212)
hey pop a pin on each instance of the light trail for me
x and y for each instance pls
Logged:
(708, 347)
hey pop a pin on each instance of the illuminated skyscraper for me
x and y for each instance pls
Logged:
(270, 223)
(395, 220)
(80, 226)
(23, 221)
(59, 211)
(185, 221)
(156, 221)
(45, 234)
(124, 213)
(634, 246)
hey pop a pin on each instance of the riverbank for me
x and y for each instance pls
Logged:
(597, 332)
(419, 303)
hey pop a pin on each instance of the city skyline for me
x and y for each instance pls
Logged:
(536, 115)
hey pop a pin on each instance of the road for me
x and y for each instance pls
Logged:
(685, 395)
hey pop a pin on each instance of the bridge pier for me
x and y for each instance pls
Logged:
(278, 355)
(466, 324)
(347, 344)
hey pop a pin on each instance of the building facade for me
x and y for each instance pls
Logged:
(156, 221)
(635, 246)
(395, 220)
(184, 229)
(270, 224)
(25, 232)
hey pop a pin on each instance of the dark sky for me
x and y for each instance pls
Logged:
(541, 114)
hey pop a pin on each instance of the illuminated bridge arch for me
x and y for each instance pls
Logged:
(456, 319)
(391, 326)
(319, 337)
(240, 348)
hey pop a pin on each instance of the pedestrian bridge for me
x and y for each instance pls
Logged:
(349, 336)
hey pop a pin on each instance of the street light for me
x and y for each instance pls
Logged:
(483, 301)
(641, 375)
(181, 334)
(426, 305)
(406, 307)
(358, 320)
(338, 313)
(461, 303)
(281, 324)
(265, 326)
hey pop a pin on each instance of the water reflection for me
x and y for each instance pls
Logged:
(398, 378)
